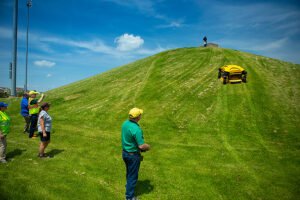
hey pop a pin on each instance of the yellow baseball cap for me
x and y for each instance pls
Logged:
(33, 92)
(135, 112)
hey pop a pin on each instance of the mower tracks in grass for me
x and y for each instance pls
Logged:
(223, 124)
(144, 81)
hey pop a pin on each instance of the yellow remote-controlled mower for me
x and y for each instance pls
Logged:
(232, 74)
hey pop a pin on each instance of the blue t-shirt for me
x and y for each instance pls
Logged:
(24, 107)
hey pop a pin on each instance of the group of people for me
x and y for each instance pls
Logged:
(36, 118)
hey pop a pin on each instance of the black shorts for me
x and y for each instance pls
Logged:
(45, 139)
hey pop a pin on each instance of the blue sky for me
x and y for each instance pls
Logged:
(71, 40)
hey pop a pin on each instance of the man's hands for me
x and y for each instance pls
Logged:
(144, 147)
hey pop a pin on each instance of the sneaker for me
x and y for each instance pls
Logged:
(3, 161)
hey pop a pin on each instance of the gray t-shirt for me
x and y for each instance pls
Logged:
(47, 121)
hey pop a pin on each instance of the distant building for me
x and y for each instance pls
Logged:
(212, 45)
(4, 92)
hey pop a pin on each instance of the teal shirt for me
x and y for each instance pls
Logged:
(132, 136)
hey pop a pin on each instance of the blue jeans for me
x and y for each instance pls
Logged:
(33, 124)
(132, 162)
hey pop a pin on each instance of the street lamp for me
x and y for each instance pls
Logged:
(14, 49)
(29, 4)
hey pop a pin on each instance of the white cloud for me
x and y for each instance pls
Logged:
(49, 75)
(149, 9)
(173, 24)
(125, 43)
(46, 43)
(94, 45)
(150, 51)
(145, 6)
(128, 42)
(273, 45)
(261, 18)
(44, 63)
(254, 44)
(282, 48)
(5, 33)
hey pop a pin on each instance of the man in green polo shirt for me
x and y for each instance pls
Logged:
(132, 144)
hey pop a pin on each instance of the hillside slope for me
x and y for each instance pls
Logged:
(209, 140)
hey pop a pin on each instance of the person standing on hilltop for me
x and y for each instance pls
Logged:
(205, 41)
(132, 144)
(25, 112)
(33, 106)
(4, 131)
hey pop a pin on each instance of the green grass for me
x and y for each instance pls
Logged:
(209, 140)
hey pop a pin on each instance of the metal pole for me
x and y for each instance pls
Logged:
(29, 4)
(15, 39)
(10, 70)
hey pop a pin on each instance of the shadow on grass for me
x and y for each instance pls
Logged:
(14, 153)
(3, 195)
(143, 187)
(54, 152)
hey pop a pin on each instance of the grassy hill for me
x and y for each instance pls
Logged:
(209, 140)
